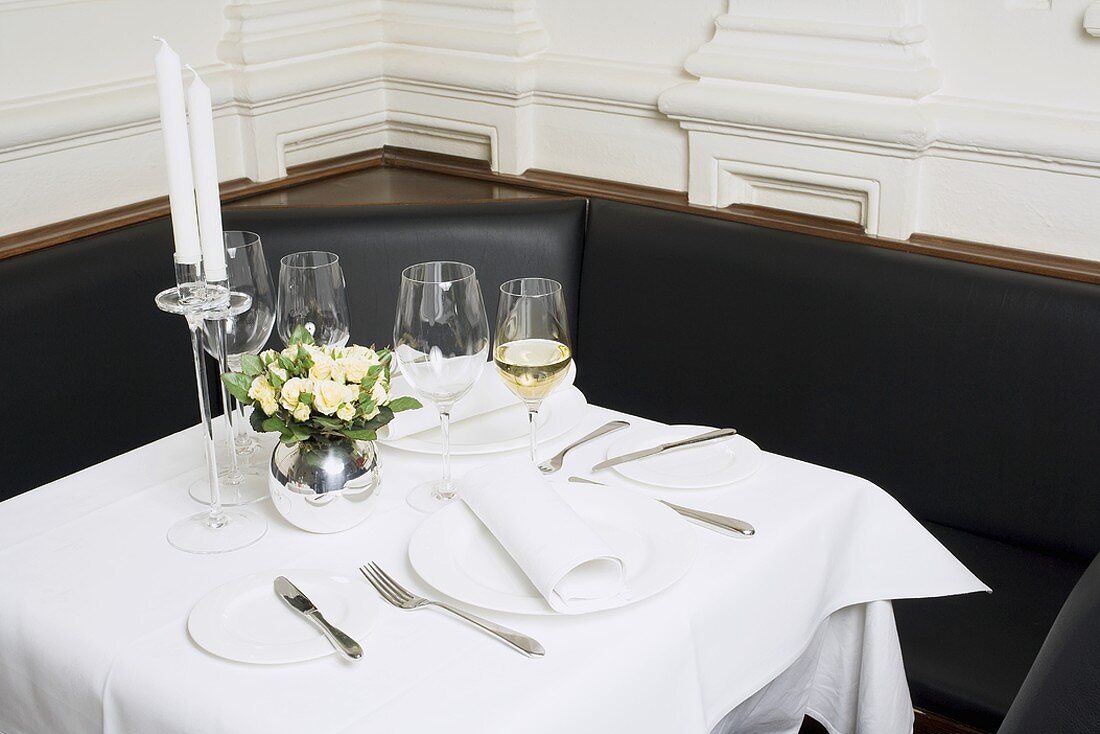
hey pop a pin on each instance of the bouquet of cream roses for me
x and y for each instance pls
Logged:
(308, 392)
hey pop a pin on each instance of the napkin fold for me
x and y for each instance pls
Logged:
(573, 568)
(487, 395)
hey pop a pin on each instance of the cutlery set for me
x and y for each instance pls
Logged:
(398, 596)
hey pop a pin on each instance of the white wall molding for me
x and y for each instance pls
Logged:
(847, 198)
(790, 92)
(261, 32)
(878, 112)
(1092, 19)
(375, 130)
(14, 5)
(813, 53)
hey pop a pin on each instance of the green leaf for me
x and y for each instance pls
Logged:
(275, 423)
(385, 415)
(276, 381)
(256, 420)
(404, 403)
(238, 385)
(360, 435)
(252, 365)
(301, 431)
(286, 364)
(304, 360)
(332, 424)
(306, 397)
(300, 335)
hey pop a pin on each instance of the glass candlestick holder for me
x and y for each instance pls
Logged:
(216, 530)
(238, 485)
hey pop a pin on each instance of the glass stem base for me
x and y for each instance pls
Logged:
(431, 496)
(221, 532)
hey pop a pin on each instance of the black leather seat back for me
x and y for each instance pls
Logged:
(108, 372)
(1062, 690)
(970, 393)
(502, 241)
(106, 369)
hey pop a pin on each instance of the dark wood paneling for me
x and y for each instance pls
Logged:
(929, 723)
(392, 187)
(345, 183)
(1010, 258)
(123, 216)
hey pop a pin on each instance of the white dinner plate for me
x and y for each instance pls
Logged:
(710, 464)
(455, 553)
(501, 430)
(245, 620)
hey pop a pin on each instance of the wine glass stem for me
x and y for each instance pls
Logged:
(216, 518)
(240, 435)
(532, 418)
(446, 489)
(240, 420)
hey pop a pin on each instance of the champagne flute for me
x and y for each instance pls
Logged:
(441, 340)
(312, 294)
(533, 350)
(245, 333)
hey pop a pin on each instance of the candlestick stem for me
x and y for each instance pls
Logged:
(215, 517)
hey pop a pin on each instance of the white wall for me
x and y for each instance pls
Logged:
(976, 119)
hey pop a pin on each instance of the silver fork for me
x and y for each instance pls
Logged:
(554, 463)
(400, 597)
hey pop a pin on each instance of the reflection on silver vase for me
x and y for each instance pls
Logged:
(325, 485)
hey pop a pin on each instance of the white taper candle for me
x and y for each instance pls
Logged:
(173, 122)
(204, 163)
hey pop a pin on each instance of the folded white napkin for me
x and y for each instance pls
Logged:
(487, 395)
(570, 565)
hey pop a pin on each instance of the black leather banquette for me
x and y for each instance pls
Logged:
(970, 393)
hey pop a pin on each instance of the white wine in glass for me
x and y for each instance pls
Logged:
(533, 350)
(532, 368)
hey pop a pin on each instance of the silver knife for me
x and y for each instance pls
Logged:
(300, 603)
(719, 522)
(634, 456)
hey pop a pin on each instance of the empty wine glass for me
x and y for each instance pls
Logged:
(244, 334)
(312, 294)
(441, 339)
(533, 350)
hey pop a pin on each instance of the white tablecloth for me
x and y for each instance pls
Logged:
(94, 603)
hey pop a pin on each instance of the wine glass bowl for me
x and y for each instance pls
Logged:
(248, 273)
(533, 349)
(441, 341)
(313, 294)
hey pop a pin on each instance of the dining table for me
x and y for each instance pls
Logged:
(761, 630)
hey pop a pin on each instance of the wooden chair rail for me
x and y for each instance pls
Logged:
(1057, 266)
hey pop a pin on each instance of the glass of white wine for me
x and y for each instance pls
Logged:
(533, 350)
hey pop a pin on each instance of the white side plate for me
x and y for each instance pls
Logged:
(245, 620)
(710, 464)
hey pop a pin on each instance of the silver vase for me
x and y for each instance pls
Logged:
(325, 485)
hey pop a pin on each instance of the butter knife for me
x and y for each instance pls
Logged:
(300, 603)
(710, 519)
(634, 456)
